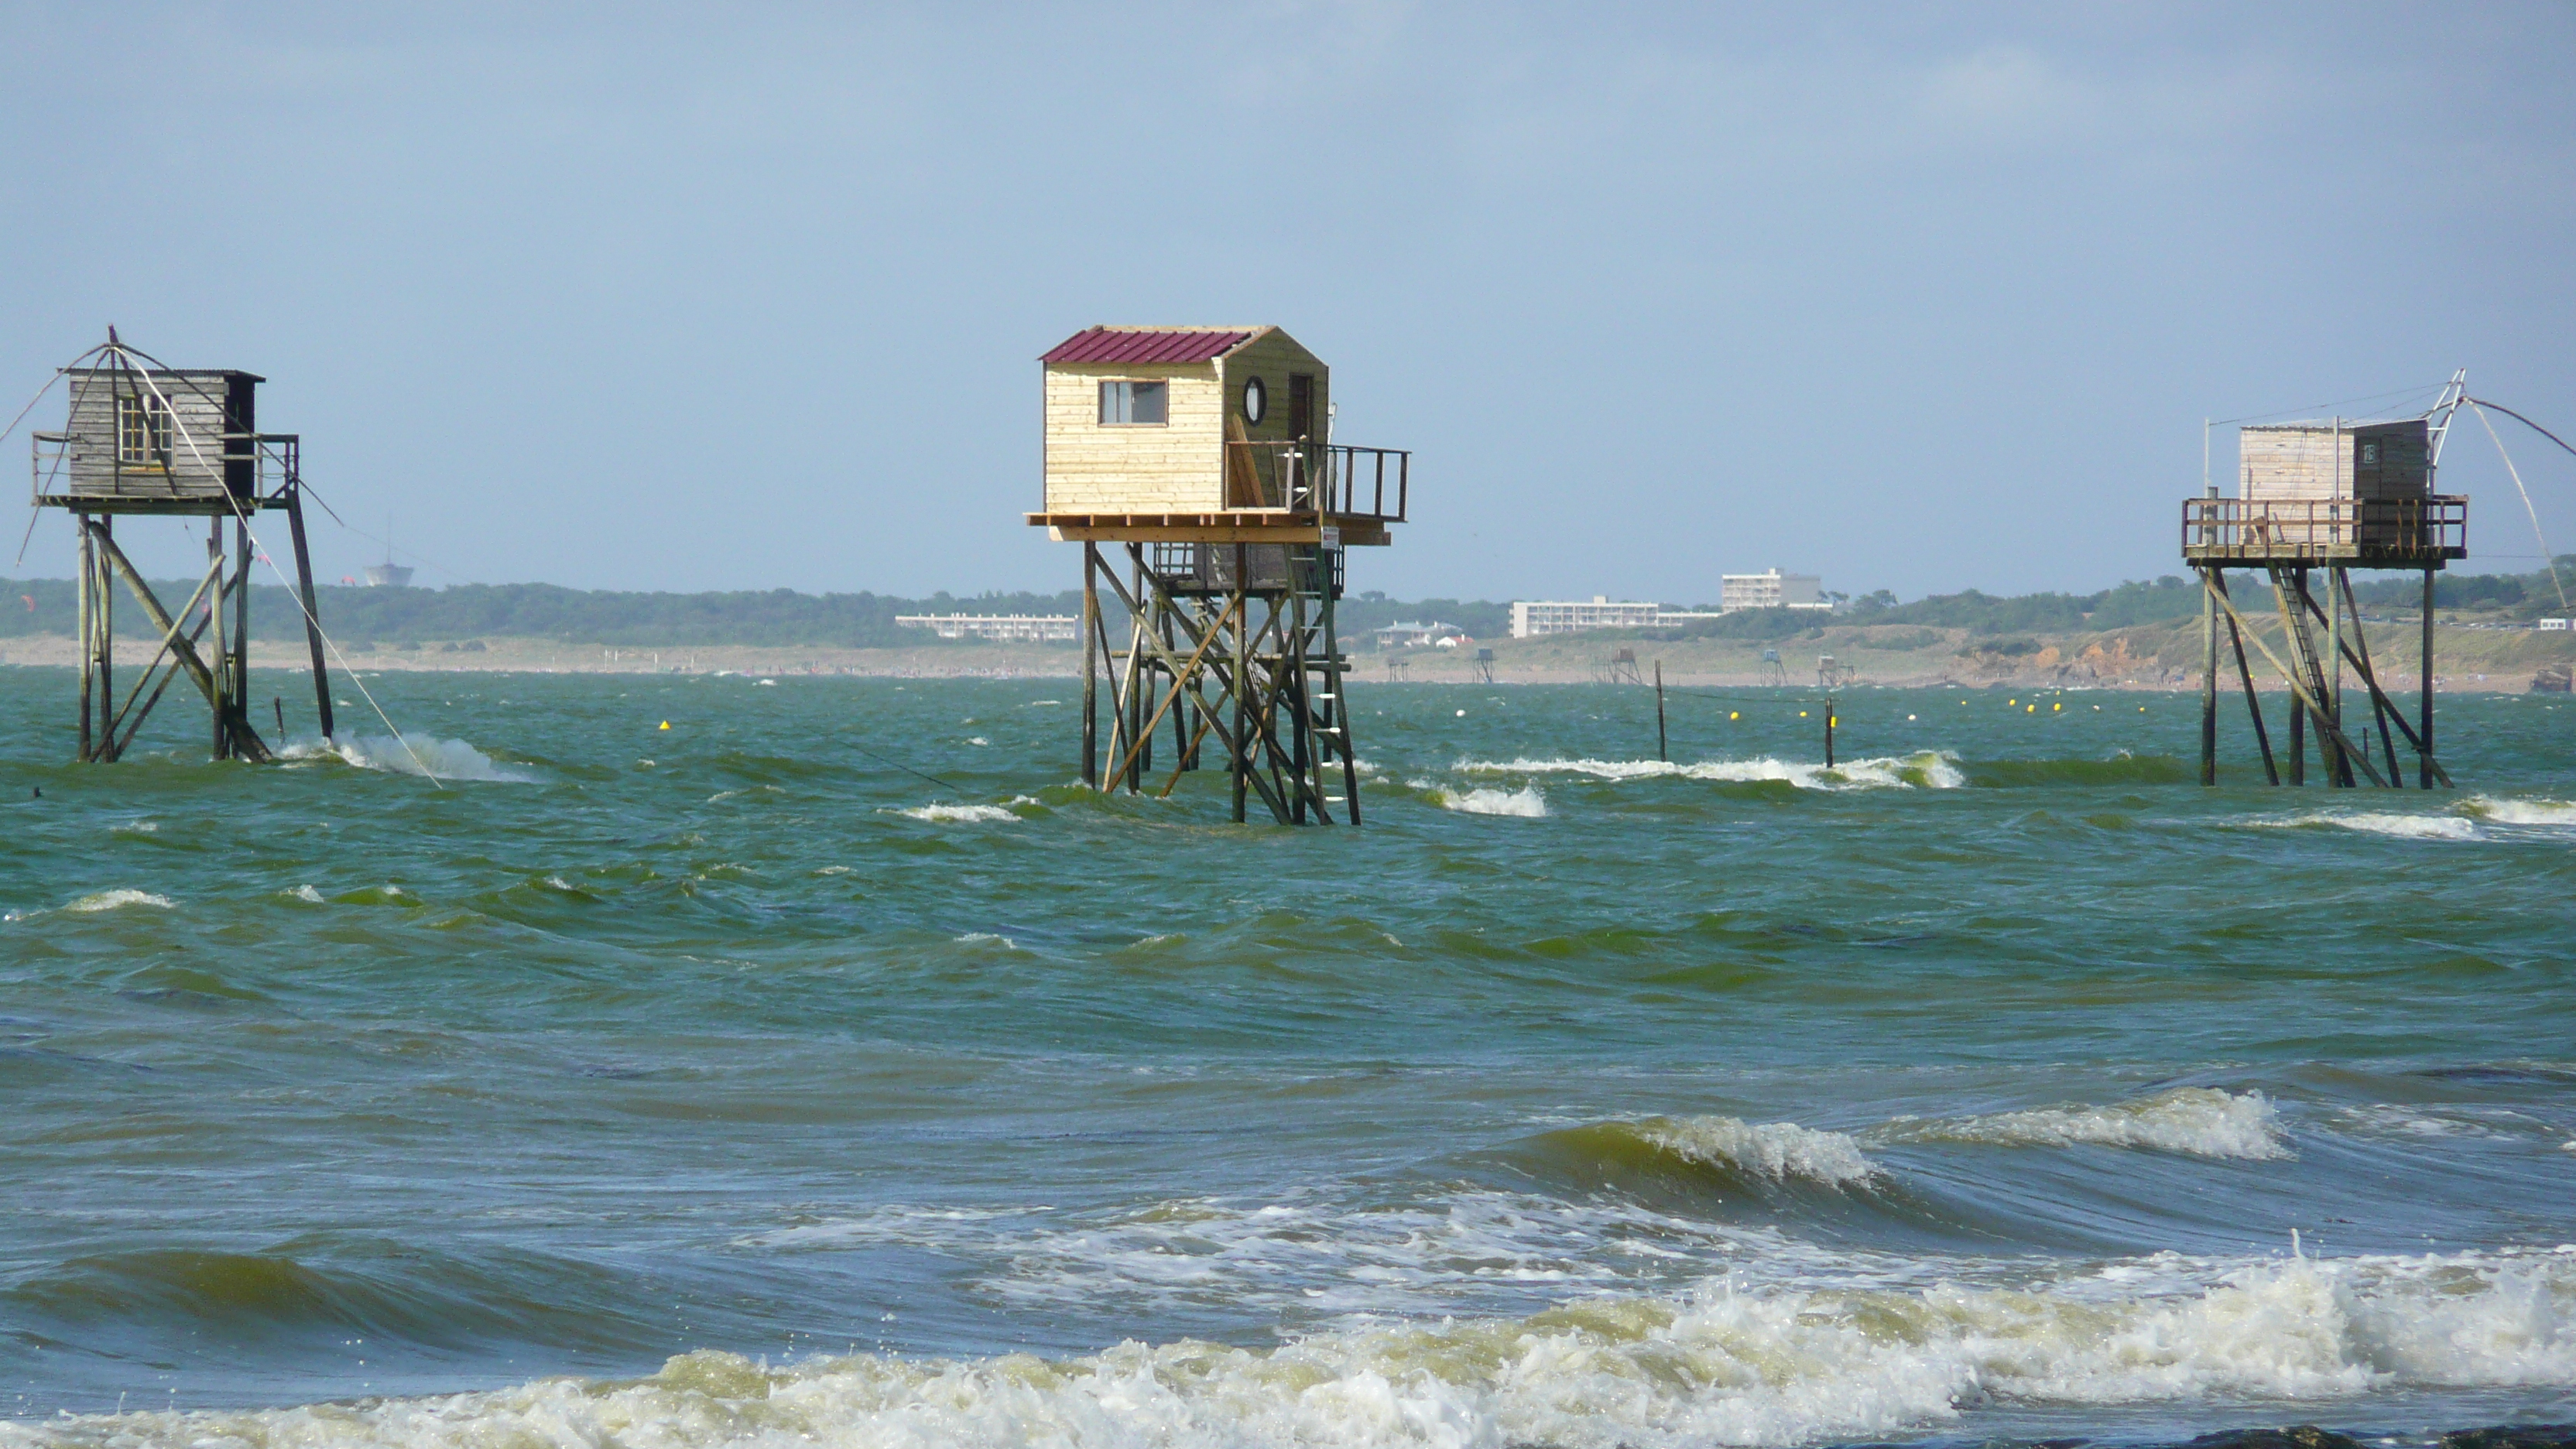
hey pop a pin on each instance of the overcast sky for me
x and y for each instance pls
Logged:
(1917, 299)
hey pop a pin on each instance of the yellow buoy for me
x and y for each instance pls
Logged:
(2054, 708)
(666, 724)
(2030, 709)
(1732, 714)
(1802, 714)
(2010, 703)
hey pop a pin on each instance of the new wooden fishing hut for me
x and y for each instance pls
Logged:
(146, 440)
(1205, 454)
(2326, 497)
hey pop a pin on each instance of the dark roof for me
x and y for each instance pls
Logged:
(1149, 344)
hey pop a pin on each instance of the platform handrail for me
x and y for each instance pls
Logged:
(1330, 480)
(2320, 528)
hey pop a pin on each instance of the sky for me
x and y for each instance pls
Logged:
(1914, 298)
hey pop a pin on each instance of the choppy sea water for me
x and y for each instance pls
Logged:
(725, 1084)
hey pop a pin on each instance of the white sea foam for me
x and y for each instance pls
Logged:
(307, 894)
(413, 754)
(2196, 1121)
(959, 814)
(118, 900)
(1527, 801)
(2379, 822)
(1776, 1150)
(1715, 1365)
(1925, 769)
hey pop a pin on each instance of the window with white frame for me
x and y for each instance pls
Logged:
(142, 430)
(1135, 404)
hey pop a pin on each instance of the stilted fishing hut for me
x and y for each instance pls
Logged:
(2325, 498)
(1205, 456)
(144, 440)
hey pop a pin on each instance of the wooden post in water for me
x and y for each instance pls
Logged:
(2209, 677)
(312, 616)
(2424, 731)
(88, 671)
(1091, 665)
(1829, 732)
(1662, 751)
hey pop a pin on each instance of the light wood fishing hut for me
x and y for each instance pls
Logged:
(1205, 455)
(142, 439)
(2327, 497)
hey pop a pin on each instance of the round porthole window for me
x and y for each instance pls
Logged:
(1256, 400)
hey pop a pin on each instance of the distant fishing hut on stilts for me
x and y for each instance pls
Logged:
(2328, 496)
(154, 441)
(1205, 454)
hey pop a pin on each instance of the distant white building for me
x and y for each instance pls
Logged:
(1019, 628)
(1534, 617)
(1405, 634)
(1770, 589)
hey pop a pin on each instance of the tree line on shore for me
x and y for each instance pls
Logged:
(773, 617)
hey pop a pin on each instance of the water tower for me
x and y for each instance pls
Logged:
(1205, 455)
(146, 440)
(2327, 496)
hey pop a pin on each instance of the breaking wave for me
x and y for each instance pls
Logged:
(118, 900)
(1925, 769)
(2558, 813)
(2195, 1121)
(413, 754)
(1527, 801)
(1773, 1152)
(2381, 824)
(959, 814)
(1715, 1365)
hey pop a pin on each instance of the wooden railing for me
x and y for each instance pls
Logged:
(1335, 480)
(2325, 528)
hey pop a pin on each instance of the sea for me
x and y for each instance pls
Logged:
(675, 1061)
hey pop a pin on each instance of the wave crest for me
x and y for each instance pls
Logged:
(2559, 813)
(118, 900)
(1925, 769)
(2193, 1121)
(1528, 802)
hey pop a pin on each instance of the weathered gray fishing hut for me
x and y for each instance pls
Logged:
(141, 439)
(2328, 496)
(1206, 454)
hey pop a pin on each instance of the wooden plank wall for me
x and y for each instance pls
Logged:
(91, 468)
(2315, 460)
(2300, 461)
(1175, 468)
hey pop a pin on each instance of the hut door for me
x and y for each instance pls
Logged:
(1301, 426)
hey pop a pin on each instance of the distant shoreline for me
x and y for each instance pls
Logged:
(2160, 658)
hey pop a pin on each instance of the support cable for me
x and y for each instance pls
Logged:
(2516, 475)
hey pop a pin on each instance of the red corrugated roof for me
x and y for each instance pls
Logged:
(1146, 344)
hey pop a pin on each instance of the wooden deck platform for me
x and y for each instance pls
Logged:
(1227, 525)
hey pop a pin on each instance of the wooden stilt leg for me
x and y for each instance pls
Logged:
(312, 617)
(2245, 676)
(2424, 730)
(90, 598)
(222, 670)
(2209, 677)
(1242, 765)
(1091, 665)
